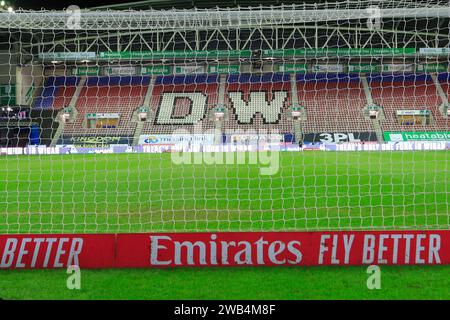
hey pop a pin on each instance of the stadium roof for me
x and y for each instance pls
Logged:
(145, 4)
(165, 4)
(179, 4)
(332, 31)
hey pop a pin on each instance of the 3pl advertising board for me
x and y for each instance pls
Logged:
(336, 137)
(162, 250)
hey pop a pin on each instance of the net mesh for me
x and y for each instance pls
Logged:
(306, 117)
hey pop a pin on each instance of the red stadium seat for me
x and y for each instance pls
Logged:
(333, 106)
(408, 95)
(122, 99)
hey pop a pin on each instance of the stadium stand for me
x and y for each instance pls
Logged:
(407, 92)
(120, 95)
(170, 110)
(444, 81)
(333, 102)
(56, 93)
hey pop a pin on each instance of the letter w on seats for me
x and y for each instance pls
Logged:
(270, 110)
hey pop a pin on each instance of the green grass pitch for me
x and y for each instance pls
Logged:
(148, 192)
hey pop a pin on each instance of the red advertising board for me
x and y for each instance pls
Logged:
(158, 250)
(45, 251)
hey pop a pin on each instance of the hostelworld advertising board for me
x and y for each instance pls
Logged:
(161, 250)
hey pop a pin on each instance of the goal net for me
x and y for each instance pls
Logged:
(283, 118)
